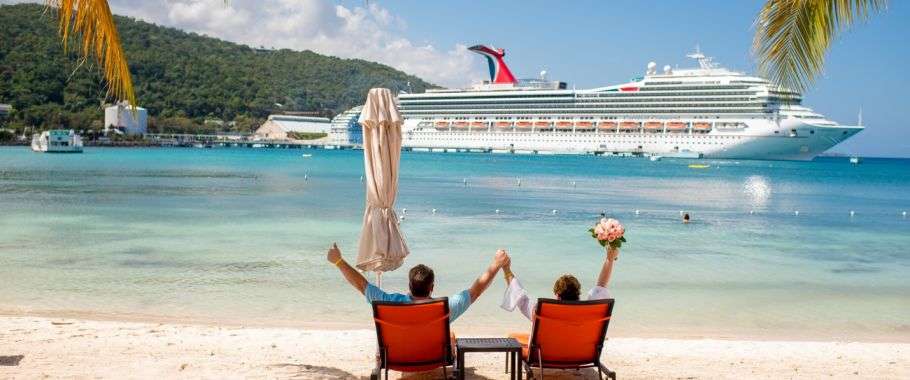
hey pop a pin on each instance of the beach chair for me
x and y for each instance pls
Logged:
(412, 337)
(567, 335)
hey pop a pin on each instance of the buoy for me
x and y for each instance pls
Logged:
(852, 213)
(796, 213)
(904, 214)
(497, 211)
(433, 211)
(555, 211)
(637, 212)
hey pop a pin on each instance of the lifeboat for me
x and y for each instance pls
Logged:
(629, 125)
(524, 125)
(606, 126)
(654, 126)
(478, 125)
(442, 125)
(542, 124)
(460, 125)
(702, 126)
(676, 126)
(564, 125)
(584, 126)
(503, 125)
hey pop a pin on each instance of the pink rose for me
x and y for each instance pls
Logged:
(599, 229)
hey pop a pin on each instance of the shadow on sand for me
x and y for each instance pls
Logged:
(11, 361)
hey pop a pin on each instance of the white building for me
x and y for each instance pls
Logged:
(277, 127)
(346, 131)
(121, 118)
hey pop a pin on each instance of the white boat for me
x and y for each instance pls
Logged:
(655, 158)
(709, 111)
(855, 160)
(57, 141)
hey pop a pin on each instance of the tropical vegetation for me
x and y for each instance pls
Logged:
(183, 79)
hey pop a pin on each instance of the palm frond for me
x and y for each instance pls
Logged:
(793, 36)
(93, 22)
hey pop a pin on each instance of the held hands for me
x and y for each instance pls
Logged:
(334, 254)
(502, 259)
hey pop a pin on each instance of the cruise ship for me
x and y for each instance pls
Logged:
(702, 112)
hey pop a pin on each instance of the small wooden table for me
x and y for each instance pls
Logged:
(510, 346)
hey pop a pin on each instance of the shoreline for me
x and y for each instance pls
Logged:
(499, 329)
(68, 347)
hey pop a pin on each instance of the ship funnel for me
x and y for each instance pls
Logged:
(499, 72)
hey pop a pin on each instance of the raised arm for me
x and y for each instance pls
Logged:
(483, 282)
(352, 275)
(607, 270)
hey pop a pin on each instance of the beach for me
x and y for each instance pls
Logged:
(193, 263)
(79, 348)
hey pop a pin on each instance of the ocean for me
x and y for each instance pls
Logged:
(239, 236)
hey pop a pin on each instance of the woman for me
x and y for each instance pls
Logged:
(566, 288)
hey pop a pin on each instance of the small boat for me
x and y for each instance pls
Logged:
(478, 125)
(503, 125)
(654, 126)
(655, 158)
(606, 126)
(306, 155)
(564, 125)
(442, 125)
(629, 125)
(676, 126)
(460, 125)
(584, 125)
(699, 166)
(855, 160)
(524, 125)
(702, 126)
(57, 141)
(542, 124)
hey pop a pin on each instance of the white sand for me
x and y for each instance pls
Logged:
(74, 348)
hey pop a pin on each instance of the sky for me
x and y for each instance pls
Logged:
(585, 43)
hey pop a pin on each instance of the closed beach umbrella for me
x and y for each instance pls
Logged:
(382, 247)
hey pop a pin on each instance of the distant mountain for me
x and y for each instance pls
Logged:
(181, 78)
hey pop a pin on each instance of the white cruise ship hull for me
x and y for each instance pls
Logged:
(762, 140)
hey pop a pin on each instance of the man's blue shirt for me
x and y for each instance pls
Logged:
(458, 303)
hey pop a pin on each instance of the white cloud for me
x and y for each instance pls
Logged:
(368, 32)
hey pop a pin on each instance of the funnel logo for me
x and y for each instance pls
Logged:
(499, 72)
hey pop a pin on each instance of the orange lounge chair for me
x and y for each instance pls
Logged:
(412, 337)
(567, 335)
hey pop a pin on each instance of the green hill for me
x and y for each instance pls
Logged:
(181, 78)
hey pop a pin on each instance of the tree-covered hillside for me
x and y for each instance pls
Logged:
(181, 78)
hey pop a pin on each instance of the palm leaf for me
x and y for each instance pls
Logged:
(793, 36)
(93, 22)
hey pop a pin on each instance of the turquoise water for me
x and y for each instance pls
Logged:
(239, 235)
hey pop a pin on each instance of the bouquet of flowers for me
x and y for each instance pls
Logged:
(608, 232)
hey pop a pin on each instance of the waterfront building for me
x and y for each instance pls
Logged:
(278, 127)
(345, 130)
(122, 119)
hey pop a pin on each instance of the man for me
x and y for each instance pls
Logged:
(566, 288)
(420, 282)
